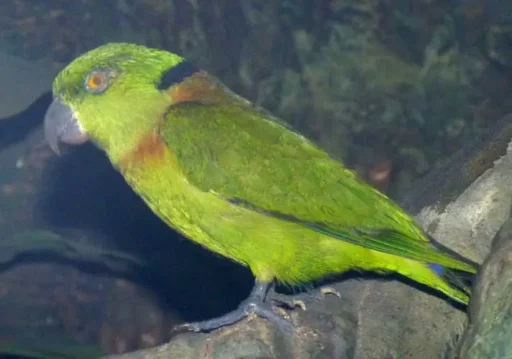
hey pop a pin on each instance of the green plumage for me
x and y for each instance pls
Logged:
(236, 180)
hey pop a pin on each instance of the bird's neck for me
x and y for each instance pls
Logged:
(133, 129)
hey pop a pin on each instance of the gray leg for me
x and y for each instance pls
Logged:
(255, 303)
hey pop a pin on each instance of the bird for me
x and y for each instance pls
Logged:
(237, 180)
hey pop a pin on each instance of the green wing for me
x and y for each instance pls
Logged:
(246, 156)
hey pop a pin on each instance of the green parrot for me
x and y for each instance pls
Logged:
(233, 178)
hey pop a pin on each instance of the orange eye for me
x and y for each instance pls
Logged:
(97, 81)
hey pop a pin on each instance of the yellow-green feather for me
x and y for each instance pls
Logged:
(234, 179)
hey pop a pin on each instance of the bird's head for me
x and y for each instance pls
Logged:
(111, 95)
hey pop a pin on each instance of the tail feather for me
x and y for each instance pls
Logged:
(439, 269)
(442, 248)
(461, 280)
(458, 279)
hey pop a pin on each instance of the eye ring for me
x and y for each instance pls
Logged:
(97, 81)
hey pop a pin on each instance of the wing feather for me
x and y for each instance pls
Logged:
(242, 154)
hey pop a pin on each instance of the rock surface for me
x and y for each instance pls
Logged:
(490, 329)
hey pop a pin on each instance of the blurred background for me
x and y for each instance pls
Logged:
(390, 87)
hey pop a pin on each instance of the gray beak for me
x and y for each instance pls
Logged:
(60, 124)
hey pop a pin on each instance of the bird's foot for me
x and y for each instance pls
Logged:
(247, 308)
(254, 305)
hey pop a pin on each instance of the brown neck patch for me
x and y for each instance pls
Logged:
(149, 150)
(200, 87)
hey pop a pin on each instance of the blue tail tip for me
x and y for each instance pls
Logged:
(437, 268)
